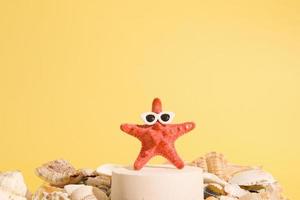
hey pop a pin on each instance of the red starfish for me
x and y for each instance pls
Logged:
(157, 138)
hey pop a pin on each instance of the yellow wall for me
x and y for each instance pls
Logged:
(72, 71)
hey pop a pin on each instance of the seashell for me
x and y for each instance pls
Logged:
(275, 191)
(99, 181)
(211, 178)
(50, 189)
(70, 188)
(252, 177)
(107, 169)
(215, 189)
(88, 193)
(47, 192)
(232, 169)
(58, 173)
(6, 195)
(253, 188)
(28, 195)
(200, 162)
(52, 196)
(13, 182)
(216, 163)
(87, 172)
(234, 190)
(102, 182)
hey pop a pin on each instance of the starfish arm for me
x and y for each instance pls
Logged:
(180, 129)
(171, 155)
(143, 158)
(132, 129)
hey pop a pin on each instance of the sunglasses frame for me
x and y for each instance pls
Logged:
(157, 117)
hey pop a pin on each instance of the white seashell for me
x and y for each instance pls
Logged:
(72, 187)
(234, 190)
(211, 178)
(6, 195)
(88, 193)
(13, 182)
(252, 177)
(107, 169)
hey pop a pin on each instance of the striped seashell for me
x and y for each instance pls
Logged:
(216, 163)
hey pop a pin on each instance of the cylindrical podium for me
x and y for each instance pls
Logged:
(157, 182)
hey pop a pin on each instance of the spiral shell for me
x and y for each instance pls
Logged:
(216, 163)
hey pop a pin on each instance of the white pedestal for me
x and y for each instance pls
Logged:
(158, 182)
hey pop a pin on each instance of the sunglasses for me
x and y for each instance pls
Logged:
(151, 118)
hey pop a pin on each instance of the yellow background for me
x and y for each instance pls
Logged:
(72, 71)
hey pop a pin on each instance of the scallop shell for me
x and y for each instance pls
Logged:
(252, 177)
(13, 182)
(58, 173)
(234, 190)
(107, 169)
(216, 163)
(88, 193)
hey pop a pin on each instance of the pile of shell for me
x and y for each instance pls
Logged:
(222, 181)
(226, 181)
(64, 182)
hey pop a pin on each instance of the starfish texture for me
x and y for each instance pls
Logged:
(158, 138)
